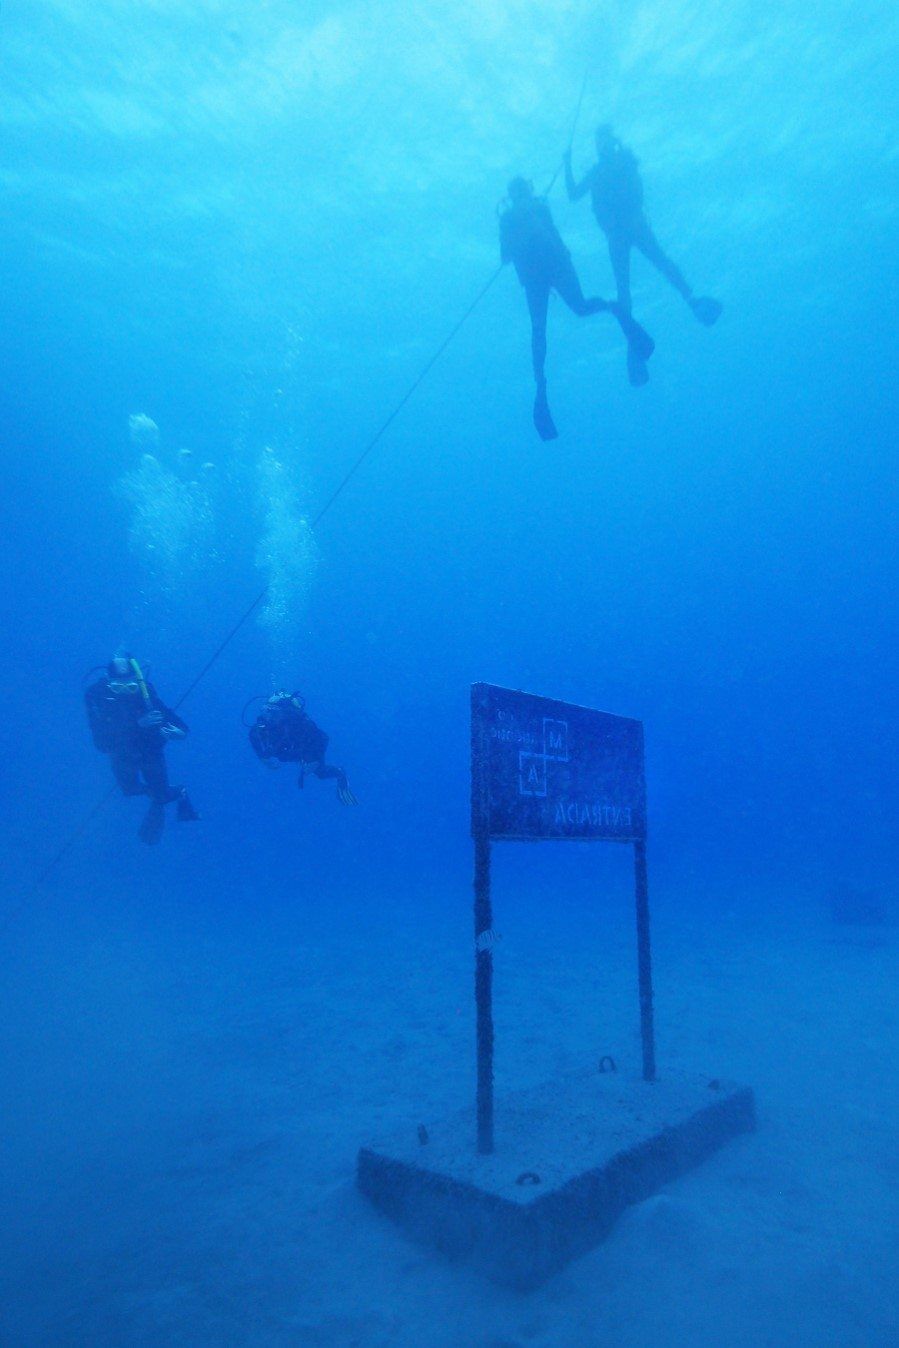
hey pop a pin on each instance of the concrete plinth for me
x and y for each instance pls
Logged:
(570, 1156)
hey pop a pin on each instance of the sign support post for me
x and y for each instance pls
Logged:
(483, 990)
(644, 961)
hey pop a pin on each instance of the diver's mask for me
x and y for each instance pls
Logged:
(123, 687)
(295, 699)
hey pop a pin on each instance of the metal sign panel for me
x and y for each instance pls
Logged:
(542, 769)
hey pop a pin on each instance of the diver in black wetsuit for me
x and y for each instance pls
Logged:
(529, 239)
(129, 722)
(616, 190)
(282, 731)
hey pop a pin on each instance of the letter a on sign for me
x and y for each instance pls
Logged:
(531, 774)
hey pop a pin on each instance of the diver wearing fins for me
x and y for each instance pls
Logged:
(530, 241)
(129, 722)
(283, 733)
(616, 191)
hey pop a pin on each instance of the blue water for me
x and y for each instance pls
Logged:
(242, 231)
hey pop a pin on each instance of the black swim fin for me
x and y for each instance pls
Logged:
(151, 829)
(638, 338)
(637, 369)
(185, 809)
(543, 418)
(707, 310)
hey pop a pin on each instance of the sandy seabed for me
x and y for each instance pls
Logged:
(187, 1104)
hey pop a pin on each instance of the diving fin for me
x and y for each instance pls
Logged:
(637, 369)
(344, 794)
(184, 809)
(707, 310)
(151, 829)
(638, 339)
(543, 418)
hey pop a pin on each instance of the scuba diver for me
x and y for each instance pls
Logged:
(129, 722)
(617, 193)
(283, 733)
(529, 239)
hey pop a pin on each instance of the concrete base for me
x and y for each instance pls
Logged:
(570, 1156)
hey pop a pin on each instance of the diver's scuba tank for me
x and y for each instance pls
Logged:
(275, 710)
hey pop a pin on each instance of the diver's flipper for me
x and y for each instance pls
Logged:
(543, 418)
(637, 370)
(707, 310)
(150, 830)
(184, 809)
(638, 338)
(344, 794)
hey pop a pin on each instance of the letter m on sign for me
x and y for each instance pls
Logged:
(555, 740)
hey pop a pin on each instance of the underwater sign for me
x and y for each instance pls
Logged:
(542, 769)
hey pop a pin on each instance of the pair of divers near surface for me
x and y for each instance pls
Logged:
(132, 725)
(530, 240)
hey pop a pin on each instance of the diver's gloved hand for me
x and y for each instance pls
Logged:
(171, 732)
(151, 719)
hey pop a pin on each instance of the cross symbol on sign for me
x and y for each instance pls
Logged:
(532, 767)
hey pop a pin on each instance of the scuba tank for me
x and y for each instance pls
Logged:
(267, 743)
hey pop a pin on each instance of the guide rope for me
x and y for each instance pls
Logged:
(79, 831)
(75, 836)
(574, 121)
(347, 477)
